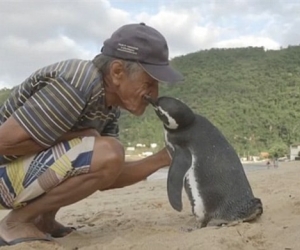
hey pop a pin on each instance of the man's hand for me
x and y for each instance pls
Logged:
(165, 157)
(79, 133)
(90, 132)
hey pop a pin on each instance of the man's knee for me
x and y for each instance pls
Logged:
(108, 157)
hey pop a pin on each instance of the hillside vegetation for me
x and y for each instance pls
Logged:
(250, 94)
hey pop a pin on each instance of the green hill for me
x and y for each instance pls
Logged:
(250, 94)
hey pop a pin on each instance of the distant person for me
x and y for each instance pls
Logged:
(275, 162)
(59, 131)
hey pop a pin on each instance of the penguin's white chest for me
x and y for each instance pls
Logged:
(198, 209)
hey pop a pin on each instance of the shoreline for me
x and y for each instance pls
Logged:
(248, 167)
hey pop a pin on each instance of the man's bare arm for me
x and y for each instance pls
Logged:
(14, 140)
(136, 171)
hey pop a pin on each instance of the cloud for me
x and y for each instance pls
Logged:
(36, 33)
(181, 29)
(41, 32)
(247, 41)
(27, 56)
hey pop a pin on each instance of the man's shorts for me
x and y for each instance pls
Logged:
(31, 176)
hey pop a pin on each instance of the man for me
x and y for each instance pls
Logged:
(59, 131)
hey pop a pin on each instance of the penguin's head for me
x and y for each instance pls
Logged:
(172, 112)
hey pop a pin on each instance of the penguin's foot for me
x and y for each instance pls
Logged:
(194, 225)
(219, 223)
(187, 229)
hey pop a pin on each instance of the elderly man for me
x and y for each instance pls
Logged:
(59, 131)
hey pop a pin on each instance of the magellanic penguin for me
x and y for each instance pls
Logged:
(206, 165)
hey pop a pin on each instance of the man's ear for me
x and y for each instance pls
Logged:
(117, 72)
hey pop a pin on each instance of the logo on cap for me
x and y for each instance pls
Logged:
(127, 48)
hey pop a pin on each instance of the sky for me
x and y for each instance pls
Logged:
(35, 33)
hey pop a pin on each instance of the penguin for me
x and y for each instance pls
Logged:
(206, 166)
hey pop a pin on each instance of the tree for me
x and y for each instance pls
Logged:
(251, 95)
(278, 150)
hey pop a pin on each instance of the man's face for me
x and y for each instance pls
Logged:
(132, 90)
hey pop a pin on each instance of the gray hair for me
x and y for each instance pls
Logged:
(103, 63)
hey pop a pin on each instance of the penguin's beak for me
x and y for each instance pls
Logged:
(150, 100)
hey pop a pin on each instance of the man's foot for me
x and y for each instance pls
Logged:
(13, 232)
(22, 240)
(62, 231)
(52, 227)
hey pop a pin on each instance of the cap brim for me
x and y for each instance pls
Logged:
(163, 73)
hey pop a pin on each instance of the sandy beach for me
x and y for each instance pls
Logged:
(139, 217)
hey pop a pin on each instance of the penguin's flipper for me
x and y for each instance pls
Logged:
(181, 163)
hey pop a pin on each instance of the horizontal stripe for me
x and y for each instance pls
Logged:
(42, 120)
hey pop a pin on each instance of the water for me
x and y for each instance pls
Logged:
(248, 167)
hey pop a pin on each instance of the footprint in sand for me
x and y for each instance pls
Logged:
(296, 208)
(98, 217)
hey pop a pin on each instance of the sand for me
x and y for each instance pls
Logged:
(139, 217)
